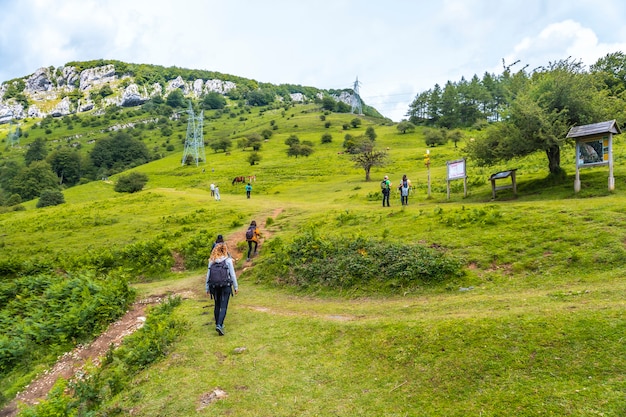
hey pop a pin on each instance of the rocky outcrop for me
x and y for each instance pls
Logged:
(50, 84)
(61, 109)
(219, 86)
(97, 76)
(132, 96)
(9, 112)
(85, 106)
(174, 84)
(38, 82)
(33, 111)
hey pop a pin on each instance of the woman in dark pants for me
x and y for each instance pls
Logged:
(221, 294)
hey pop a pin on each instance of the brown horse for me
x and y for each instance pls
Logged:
(237, 180)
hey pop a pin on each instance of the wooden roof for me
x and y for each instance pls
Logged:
(594, 129)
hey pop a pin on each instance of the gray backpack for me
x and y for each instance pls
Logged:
(219, 276)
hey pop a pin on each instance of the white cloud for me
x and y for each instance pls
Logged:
(559, 41)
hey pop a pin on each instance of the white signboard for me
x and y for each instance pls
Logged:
(456, 169)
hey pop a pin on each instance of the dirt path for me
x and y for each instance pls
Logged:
(72, 362)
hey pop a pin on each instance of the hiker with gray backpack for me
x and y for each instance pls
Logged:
(221, 282)
(252, 237)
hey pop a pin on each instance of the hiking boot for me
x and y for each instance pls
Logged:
(220, 330)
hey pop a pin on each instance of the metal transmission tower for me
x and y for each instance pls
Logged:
(356, 98)
(13, 137)
(194, 143)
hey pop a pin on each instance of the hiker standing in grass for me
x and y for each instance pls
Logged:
(217, 193)
(212, 190)
(248, 190)
(404, 187)
(252, 237)
(385, 186)
(221, 281)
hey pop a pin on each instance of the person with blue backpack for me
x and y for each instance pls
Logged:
(404, 188)
(221, 282)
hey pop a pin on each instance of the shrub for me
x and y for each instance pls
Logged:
(131, 183)
(327, 138)
(50, 198)
(314, 263)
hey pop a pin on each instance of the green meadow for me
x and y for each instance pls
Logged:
(533, 324)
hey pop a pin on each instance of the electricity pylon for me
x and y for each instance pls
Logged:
(194, 142)
(14, 134)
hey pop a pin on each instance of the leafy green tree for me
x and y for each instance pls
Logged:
(342, 107)
(32, 180)
(176, 99)
(131, 183)
(254, 158)
(213, 101)
(255, 141)
(66, 164)
(368, 157)
(14, 200)
(356, 122)
(223, 144)
(370, 133)
(611, 70)
(455, 136)
(36, 151)
(242, 143)
(294, 150)
(260, 97)
(267, 133)
(329, 103)
(119, 152)
(292, 140)
(405, 126)
(434, 137)
(306, 149)
(544, 108)
(50, 198)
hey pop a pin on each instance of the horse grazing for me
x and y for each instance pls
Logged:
(240, 179)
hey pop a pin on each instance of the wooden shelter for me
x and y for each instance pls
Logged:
(594, 147)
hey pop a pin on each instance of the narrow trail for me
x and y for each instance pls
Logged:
(72, 362)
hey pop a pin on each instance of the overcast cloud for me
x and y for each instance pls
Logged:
(396, 48)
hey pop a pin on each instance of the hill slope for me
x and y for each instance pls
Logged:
(535, 324)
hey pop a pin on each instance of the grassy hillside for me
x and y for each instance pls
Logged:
(536, 329)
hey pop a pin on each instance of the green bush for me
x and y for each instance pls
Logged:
(50, 198)
(361, 265)
(131, 183)
(48, 313)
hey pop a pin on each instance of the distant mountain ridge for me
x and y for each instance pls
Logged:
(91, 86)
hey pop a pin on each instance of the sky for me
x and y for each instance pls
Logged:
(396, 49)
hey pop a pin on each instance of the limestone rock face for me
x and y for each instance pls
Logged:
(218, 86)
(132, 96)
(61, 109)
(39, 81)
(9, 112)
(33, 111)
(49, 85)
(197, 87)
(96, 76)
(174, 84)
